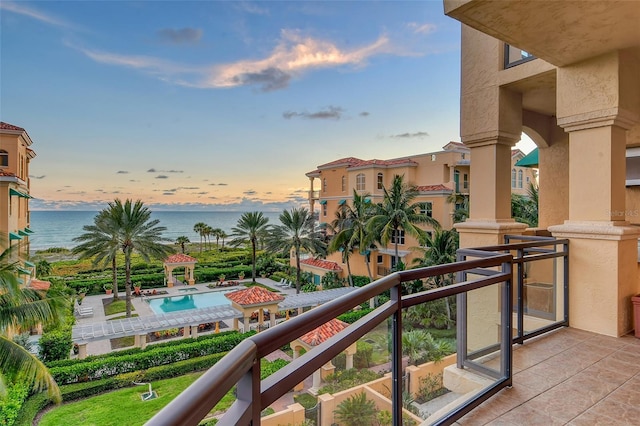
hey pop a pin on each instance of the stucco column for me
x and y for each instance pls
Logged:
(236, 324)
(187, 332)
(603, 250)
(246, 323)
(194, 331)
(143, 341)
(272, 316)
(316, 382)
(349, 361)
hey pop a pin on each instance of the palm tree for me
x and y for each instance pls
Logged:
(440, 248)
(251, 227)
(23, 308)
(100, 242)
(342, 238)
(461, 206)
(297, 233)
(398, 212)
(217, 232)
(137, 232)
(181, 241)
(200, 228)
(524, 208)
(223, 235)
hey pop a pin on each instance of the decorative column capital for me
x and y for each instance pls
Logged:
(618, 117)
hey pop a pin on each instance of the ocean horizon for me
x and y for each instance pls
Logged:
(58, 228)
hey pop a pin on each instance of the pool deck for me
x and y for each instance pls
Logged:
(142, 308)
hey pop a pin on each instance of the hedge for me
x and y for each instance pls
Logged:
(87, 389)
(351, 317)
(111, 366)
(137, 350)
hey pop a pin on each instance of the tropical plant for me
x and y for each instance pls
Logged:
(296, 233)
(460, 206)
(356, 410)
(524, 208)
(397, 212)
(223, 235)
(250, 228)
(200, 228)
(43, 268)
(137, 233)
(22, 308)
(101, 243)
(440, 248)
(181, 241)
(217, 233)
(342, 232)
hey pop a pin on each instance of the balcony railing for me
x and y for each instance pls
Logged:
(480, 272)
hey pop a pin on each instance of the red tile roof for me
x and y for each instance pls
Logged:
(323, 264)
(427, 188)
(7, 126)
(324, 332)
(7, 174)
(341, 162)
(180, 258)
(254, 296)
(351, 162)
(37, 284)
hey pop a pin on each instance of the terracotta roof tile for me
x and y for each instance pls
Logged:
(348, 161)
(427, 188)
(323, 264)
(2, 173)
(253, 296)
(7, 126)
(37, 284)
(324, 332)
(180, 258)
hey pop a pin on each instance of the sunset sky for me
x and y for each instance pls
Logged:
(221, 105)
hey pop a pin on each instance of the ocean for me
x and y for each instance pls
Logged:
(59, 228)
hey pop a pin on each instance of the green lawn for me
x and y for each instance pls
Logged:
(121, 407)
(116, 307)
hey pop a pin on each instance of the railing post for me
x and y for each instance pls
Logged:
(565, 247)
(396, 356)
(461, 317)
(520, 290)
(248, 391)
(507, 316)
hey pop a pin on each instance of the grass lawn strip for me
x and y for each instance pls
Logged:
(116, 307)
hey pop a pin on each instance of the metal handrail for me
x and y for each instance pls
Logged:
(241, 365)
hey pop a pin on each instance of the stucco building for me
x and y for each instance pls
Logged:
(15, 155)
(437, 175)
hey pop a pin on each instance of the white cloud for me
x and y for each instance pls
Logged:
(421, 28)
(30, 12)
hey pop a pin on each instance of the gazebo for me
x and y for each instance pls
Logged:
(178, 261)
(314, 338)
(251, 299)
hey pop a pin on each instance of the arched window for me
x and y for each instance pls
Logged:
(324, 184)
(344, 183)
(513, 178)
(380, 180)
(4, 158)
(519, 178)
(360, 182)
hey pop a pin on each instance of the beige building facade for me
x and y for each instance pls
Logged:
(15, 156)
(437, 175)
(566, 74)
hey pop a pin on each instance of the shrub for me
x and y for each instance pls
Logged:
(360, 281)
(12, 402)
(31, 408)
(362, 358)
(55, 344)
(342, 380)
(351, 317)
(356, 410)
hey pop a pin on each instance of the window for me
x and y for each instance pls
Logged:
(344, 183)
(380, 180)
(513, 178)
(463, 155)
(427, 208)
(400, 237)
(379, 259)
(324, 185)
(519, 178)
(324, 210)
(465, 181)
(360, 182)
(4, 158)
(528, 181)
(433, 157)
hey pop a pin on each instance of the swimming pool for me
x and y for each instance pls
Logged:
(163, 305)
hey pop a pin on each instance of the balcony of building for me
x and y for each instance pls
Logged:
(516, 356)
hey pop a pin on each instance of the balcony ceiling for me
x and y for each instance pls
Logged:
(560, 32)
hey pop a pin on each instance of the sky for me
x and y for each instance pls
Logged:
(221, 105)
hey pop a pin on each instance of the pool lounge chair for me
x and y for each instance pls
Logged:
(83, 311)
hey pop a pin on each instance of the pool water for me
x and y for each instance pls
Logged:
(185, 302)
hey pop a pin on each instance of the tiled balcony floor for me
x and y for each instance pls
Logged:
(568, 377)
